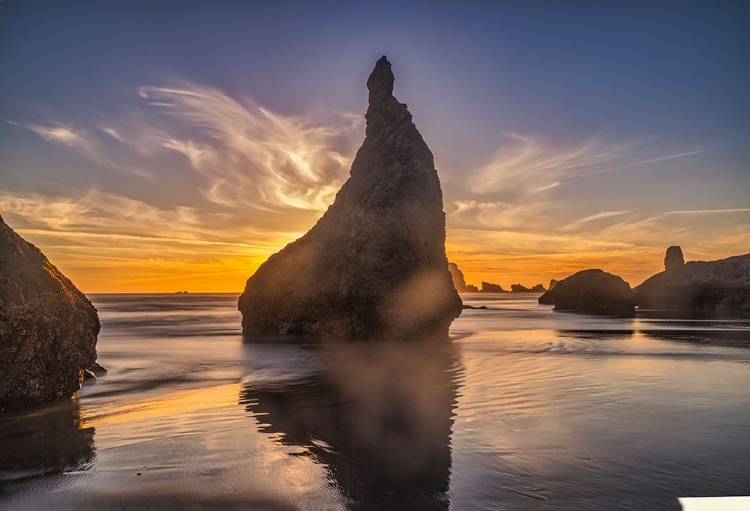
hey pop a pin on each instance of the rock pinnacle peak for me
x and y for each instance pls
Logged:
(374, 266)
(381, 79)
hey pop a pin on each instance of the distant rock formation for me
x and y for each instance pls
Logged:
(673, 258)
(457, 276)
(374, 266)
(546, 298)
(713, 286)
(488, 287)
(518, 288)
(48, 328)
(458, 280)
(594, 291)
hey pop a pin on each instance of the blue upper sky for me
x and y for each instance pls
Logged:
(625, 110)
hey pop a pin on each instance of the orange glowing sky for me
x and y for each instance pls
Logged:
(183, 158)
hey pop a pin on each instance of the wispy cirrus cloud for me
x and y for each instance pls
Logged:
(528, 164)
(254, 157)
(99, 212)
(82, 141)
(69, 137)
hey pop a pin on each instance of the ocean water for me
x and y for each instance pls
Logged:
(524, 408)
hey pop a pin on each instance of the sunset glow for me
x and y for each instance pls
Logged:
(165, 175)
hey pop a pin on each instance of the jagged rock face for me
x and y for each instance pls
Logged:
(374, 266)
(673, 258)
(722, 285)
(48, 328)
(594, 291)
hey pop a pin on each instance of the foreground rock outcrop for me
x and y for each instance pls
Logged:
(374, 266)
(713, 286)
(594, 291)
(48, 328)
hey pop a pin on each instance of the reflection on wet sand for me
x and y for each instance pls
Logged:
(379, 417)
(44, 441)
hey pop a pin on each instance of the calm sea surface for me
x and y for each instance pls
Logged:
(524, 409)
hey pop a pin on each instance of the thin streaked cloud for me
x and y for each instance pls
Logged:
(529, 164)
(251, 156)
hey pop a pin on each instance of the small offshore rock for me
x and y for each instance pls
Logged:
(594, 291)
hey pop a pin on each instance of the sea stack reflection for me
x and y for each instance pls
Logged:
(374, 266)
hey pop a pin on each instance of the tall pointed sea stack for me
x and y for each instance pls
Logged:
(48, 328)
(374, 266)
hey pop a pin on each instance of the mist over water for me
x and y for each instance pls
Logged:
(525, 408)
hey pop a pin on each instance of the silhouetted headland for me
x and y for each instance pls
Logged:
(712, 286)
(695, 287)
(374, 266)
(48, 328)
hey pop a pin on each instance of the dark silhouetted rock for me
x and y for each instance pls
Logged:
(48, 328)
(712, 286)
(374, 265)
(546, 298)
(594, 291)
(518, 288)
(482, 307)
(458, 280)
(488, 287)
(673, 258)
